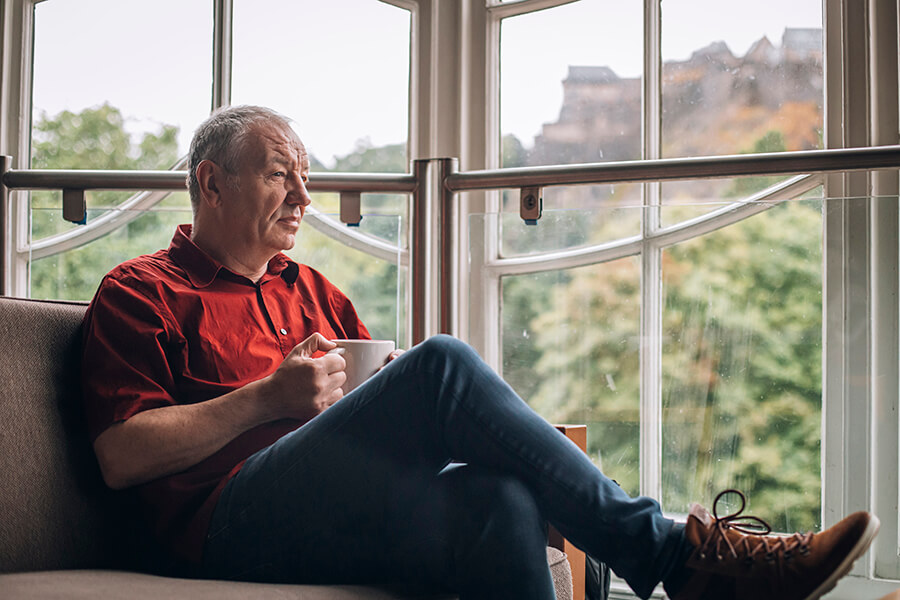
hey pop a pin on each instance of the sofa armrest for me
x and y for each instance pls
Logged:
(578, 434)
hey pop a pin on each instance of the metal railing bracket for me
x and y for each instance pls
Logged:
(74, 206)
(531, 204)
(350, 208)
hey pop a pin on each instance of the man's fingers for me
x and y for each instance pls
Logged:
(313, 344)
(334, 363)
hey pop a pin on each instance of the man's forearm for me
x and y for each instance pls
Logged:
(167, 440)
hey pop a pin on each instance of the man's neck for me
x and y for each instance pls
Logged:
(242, 263)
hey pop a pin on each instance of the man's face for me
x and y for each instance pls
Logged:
(263, 212)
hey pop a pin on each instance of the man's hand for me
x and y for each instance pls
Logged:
(169, 439)
(393, 355)
(302, 386)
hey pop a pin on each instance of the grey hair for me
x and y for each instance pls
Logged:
(221, 139)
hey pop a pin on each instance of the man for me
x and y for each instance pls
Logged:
(207, 390)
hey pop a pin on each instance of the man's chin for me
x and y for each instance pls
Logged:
(289, 243)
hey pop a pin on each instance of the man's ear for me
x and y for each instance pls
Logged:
(211, 178)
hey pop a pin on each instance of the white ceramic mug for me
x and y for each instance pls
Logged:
(364, 358)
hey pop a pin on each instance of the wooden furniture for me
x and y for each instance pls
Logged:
(578, 434)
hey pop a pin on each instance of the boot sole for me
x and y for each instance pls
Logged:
(865, 540)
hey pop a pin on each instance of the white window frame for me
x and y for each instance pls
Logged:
(860, 325)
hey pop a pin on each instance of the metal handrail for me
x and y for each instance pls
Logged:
(153, 182)
(666, 169)
(671, 169)
(449, 182)
(58, 179)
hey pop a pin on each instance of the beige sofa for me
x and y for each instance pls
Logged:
(63, 534)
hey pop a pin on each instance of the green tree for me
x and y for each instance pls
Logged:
(366, 158)
(741, 363)
(374, 285)
(97, 138)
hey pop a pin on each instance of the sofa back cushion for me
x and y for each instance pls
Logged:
(55, 511)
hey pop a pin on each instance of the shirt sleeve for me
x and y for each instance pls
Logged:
(125, 366)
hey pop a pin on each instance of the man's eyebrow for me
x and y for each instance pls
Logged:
(277, 158)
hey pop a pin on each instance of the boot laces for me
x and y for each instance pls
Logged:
(753, 537)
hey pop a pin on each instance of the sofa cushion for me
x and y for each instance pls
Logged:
(57, 513)
(115, 585)
(118, 585)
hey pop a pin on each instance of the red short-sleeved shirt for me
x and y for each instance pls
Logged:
(176, 327)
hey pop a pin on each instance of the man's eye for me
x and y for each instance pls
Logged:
(278, 174)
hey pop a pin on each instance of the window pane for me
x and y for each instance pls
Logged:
(742, 358)
(570, 87)
(375, 286)
(738, 77)
(106, 78)
(303, 58)
(110, 94)
(75, 274)
(570, 348)
(567, 225)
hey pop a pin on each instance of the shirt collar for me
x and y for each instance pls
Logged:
(202, 269)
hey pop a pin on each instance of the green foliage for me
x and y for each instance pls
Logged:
(741, 362)
(366, 158)
(741, 354)
(96, 138)
(374, 286)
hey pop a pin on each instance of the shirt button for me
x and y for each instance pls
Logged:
(283, 331)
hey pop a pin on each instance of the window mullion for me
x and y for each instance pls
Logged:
(16, 60)
(223, 11)
(651, 265)
(885, 124)
(848, 479)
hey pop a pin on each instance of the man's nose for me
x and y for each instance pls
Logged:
(297, 192)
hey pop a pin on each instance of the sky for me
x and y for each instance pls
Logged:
(349, 83)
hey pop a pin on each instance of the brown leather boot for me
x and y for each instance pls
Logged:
(737, 557)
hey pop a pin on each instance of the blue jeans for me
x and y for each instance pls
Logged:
(366, 492)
